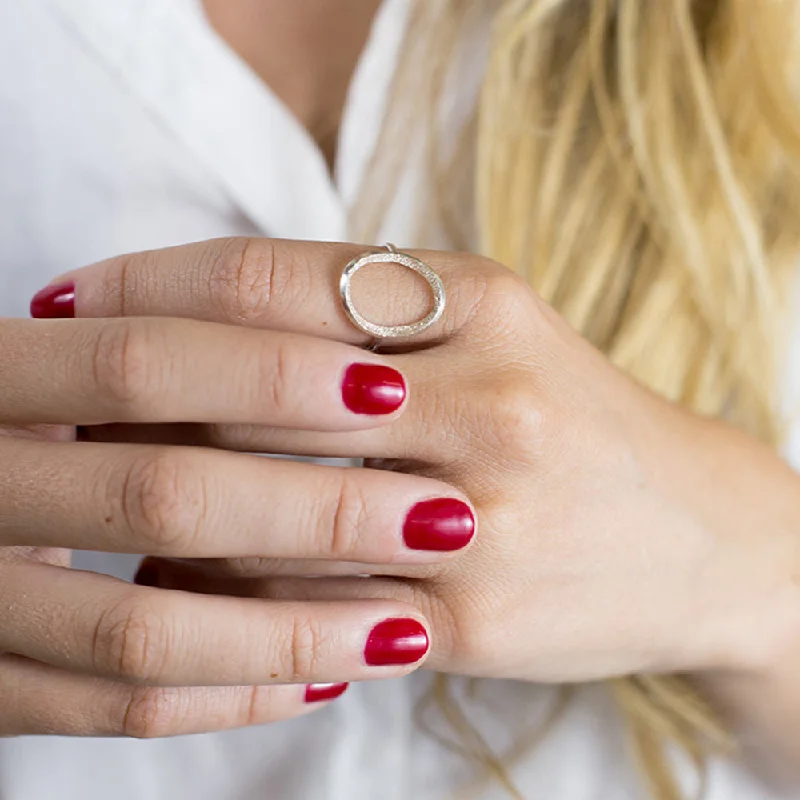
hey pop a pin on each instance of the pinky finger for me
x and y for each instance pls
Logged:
(38, 699)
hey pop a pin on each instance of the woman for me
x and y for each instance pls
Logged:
(568, 486)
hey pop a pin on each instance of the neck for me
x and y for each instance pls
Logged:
(305, 50)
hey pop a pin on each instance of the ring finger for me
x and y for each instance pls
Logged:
(98, 625)
(265, 283)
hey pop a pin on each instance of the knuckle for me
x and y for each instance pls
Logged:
(515, 424)
(164, 502)
(347, 517)
(490, 270)
(121, 365)
(280, 381)
(465, 625)
(301, 652)
(465, 297)
(242, 278)
(131, 641)
(508, 296)
(153, 712)
(127, 276)
(259, 706)
(249, 277)
(469, 638)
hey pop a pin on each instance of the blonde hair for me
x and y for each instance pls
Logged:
(639, 162)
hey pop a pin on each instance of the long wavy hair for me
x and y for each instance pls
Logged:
(639, 162)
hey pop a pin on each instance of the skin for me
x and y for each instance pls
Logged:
(617, 532)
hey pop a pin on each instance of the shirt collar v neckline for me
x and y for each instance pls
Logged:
(165, 53)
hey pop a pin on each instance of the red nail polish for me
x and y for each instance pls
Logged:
(442, 524)
(373, 389)
(322, 692)
(146, 575)
(395, 642)
(54, 302)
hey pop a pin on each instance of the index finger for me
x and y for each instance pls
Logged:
(270, 283)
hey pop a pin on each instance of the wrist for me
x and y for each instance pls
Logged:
(750, 582)
(737, 519)
(764, 644)
(756, 693)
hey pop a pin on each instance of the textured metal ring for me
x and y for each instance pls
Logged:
(404, 260)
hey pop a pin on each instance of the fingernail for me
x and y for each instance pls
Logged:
(322, 692)
(373, 389)
(54, 302)
(395, 642)
(146, 575)
(442, 524)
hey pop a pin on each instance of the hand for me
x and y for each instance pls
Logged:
(87, 654)
(606, 546)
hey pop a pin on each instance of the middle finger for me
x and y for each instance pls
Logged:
(197, 503)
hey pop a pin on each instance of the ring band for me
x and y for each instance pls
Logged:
(392, 256)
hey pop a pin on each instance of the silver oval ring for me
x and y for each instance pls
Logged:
(392, 257)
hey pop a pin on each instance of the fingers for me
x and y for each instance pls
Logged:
(89, 372)
(193, 503)
(271, 283)
(98, 625)
(37, 699)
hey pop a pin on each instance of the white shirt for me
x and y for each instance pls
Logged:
(127, 125)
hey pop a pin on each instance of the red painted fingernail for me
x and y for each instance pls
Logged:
(54, 302)
(146, 575)
(373, 389)
(442, 524)
(395, 642)
(321, 692)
